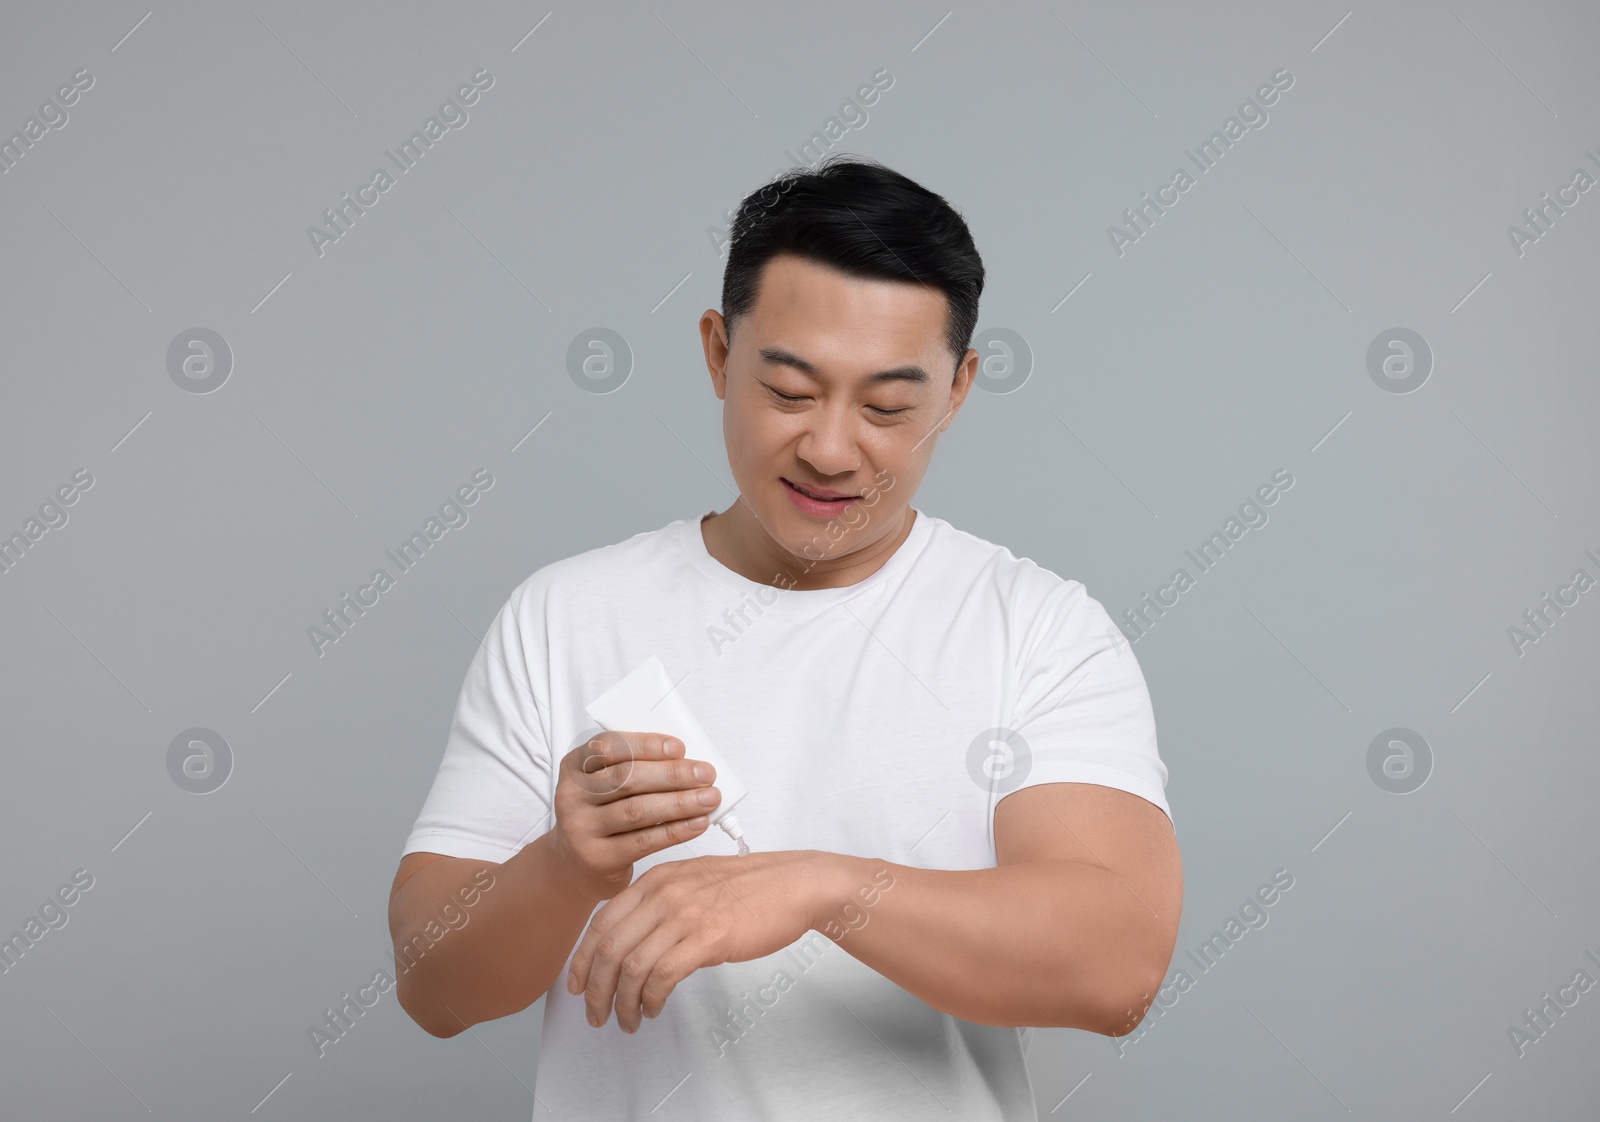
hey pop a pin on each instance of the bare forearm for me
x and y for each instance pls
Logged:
(1048, 944)
(502, 957)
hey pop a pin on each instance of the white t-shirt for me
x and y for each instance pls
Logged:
(884, 719)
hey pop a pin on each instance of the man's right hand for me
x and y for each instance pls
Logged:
(622, 796)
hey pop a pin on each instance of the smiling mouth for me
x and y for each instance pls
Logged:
(823, 496)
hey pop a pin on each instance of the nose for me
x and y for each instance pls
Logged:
(829, 443)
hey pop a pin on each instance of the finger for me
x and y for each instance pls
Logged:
(650, 776)
(619, 765)
(604, 920)
(605, 763)
(642, 811)
(636, 844)
(672, 966)
(616, 942)
(637, 967)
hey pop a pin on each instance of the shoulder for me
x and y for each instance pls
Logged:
(1020, 581)
(1044, 615)
(601, 571)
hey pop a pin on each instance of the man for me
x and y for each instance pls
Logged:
(956, 806)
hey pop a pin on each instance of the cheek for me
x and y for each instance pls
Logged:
(753, 429)
(756, 436)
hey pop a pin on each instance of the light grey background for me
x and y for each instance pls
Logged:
(368, 383)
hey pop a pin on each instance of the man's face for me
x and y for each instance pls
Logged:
(803, 410)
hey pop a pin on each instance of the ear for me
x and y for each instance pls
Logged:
(965, 374)
(714, 338)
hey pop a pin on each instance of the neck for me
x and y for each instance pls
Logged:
(738, 540)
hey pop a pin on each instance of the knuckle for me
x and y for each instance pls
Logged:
(666, 972)
(591, 755)
(655, 991)
(633, 965)
(605, 947)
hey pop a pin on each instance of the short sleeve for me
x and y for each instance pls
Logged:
(1083, 710)
(493, 791)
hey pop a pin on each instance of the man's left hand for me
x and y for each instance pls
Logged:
(681, 915)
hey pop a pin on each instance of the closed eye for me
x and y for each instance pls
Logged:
(790, 399)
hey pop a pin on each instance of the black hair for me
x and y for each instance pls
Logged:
(855, 215)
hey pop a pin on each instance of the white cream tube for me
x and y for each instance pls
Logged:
(645, 701)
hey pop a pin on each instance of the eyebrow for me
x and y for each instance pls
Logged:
(909, 373)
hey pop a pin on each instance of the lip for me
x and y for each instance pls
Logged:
(822, 507)
(824, 493)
